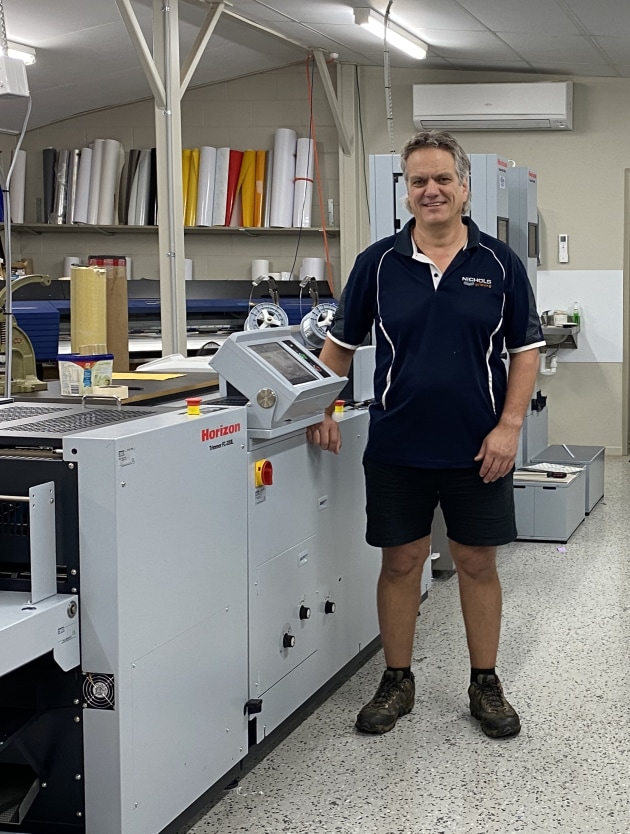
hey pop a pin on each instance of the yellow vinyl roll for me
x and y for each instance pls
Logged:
(190, 216)
(186, 154)
(88, 308)
(259, 194)
(247, 186)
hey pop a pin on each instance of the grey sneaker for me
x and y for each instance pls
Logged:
(394, 697)
(489, 705)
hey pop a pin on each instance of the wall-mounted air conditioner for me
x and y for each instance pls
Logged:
(541, 105)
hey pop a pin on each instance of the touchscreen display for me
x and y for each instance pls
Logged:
(281, 360)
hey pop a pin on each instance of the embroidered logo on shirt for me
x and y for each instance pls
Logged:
(469, 281)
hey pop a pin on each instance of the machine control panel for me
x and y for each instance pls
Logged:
(285, 384)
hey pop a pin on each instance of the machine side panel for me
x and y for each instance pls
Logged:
(348, 567)
(165, 604)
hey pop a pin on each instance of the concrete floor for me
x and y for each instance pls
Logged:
(564, 665)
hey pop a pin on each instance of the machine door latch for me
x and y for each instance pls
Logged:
(253, 706)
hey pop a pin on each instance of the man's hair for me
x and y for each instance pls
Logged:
(443, 140)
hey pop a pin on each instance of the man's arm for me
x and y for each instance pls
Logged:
(499, 448)
(326, 434)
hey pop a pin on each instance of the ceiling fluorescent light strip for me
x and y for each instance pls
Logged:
(396, 35)
(21, 51)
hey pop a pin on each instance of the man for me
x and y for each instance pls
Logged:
(446, 300)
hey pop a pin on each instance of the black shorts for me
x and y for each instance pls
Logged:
(401, 501)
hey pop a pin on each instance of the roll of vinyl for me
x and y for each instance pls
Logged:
(17, 187)
(88, 308)
(186, 152)
(95, 180)
(152, 191)
(111, 164)
(192, 186)
(73, 174)
(260, 186)
(126, 180)
(83, 186)
(234, 169)
(266, 206)
(282, 184)
(303, 198)
(205, 188)
(236, 214)
(49, 158)
(313, 268)
(220, 186)
(247, 186)
(140, 190)
(61, 188)
(259, 267)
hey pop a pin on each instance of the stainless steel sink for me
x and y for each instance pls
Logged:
(561, 335)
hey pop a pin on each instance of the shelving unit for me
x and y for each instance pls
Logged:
(110, 231)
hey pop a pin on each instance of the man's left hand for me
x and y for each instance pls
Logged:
(498, 453)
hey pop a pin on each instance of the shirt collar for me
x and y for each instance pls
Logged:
(405, 245)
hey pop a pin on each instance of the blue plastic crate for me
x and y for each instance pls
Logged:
(40, 321)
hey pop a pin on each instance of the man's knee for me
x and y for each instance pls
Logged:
(477, 563)
(405, 560)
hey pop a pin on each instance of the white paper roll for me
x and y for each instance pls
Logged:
(259, 267)
(303, 197)
(95, 180)
(313, 268)
(282, 184)
(109, 179)
(205, 188)
(17, 187)
(83, 187)
(220, 186)
(68, 262)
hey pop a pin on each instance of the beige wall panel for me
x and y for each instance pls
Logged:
(585, 404)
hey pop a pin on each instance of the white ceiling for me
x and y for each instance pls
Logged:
(85, 58)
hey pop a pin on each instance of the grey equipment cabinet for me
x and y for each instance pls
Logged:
(590, 457)
(548, 509)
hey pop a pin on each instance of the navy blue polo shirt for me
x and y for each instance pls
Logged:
(440, 382)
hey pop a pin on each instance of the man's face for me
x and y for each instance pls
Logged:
(436, 196)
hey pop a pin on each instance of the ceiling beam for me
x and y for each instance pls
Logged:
(140, 45)
(201, 41)
(344, 139)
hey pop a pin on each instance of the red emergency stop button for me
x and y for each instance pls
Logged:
(263, 473)
(193, 405)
